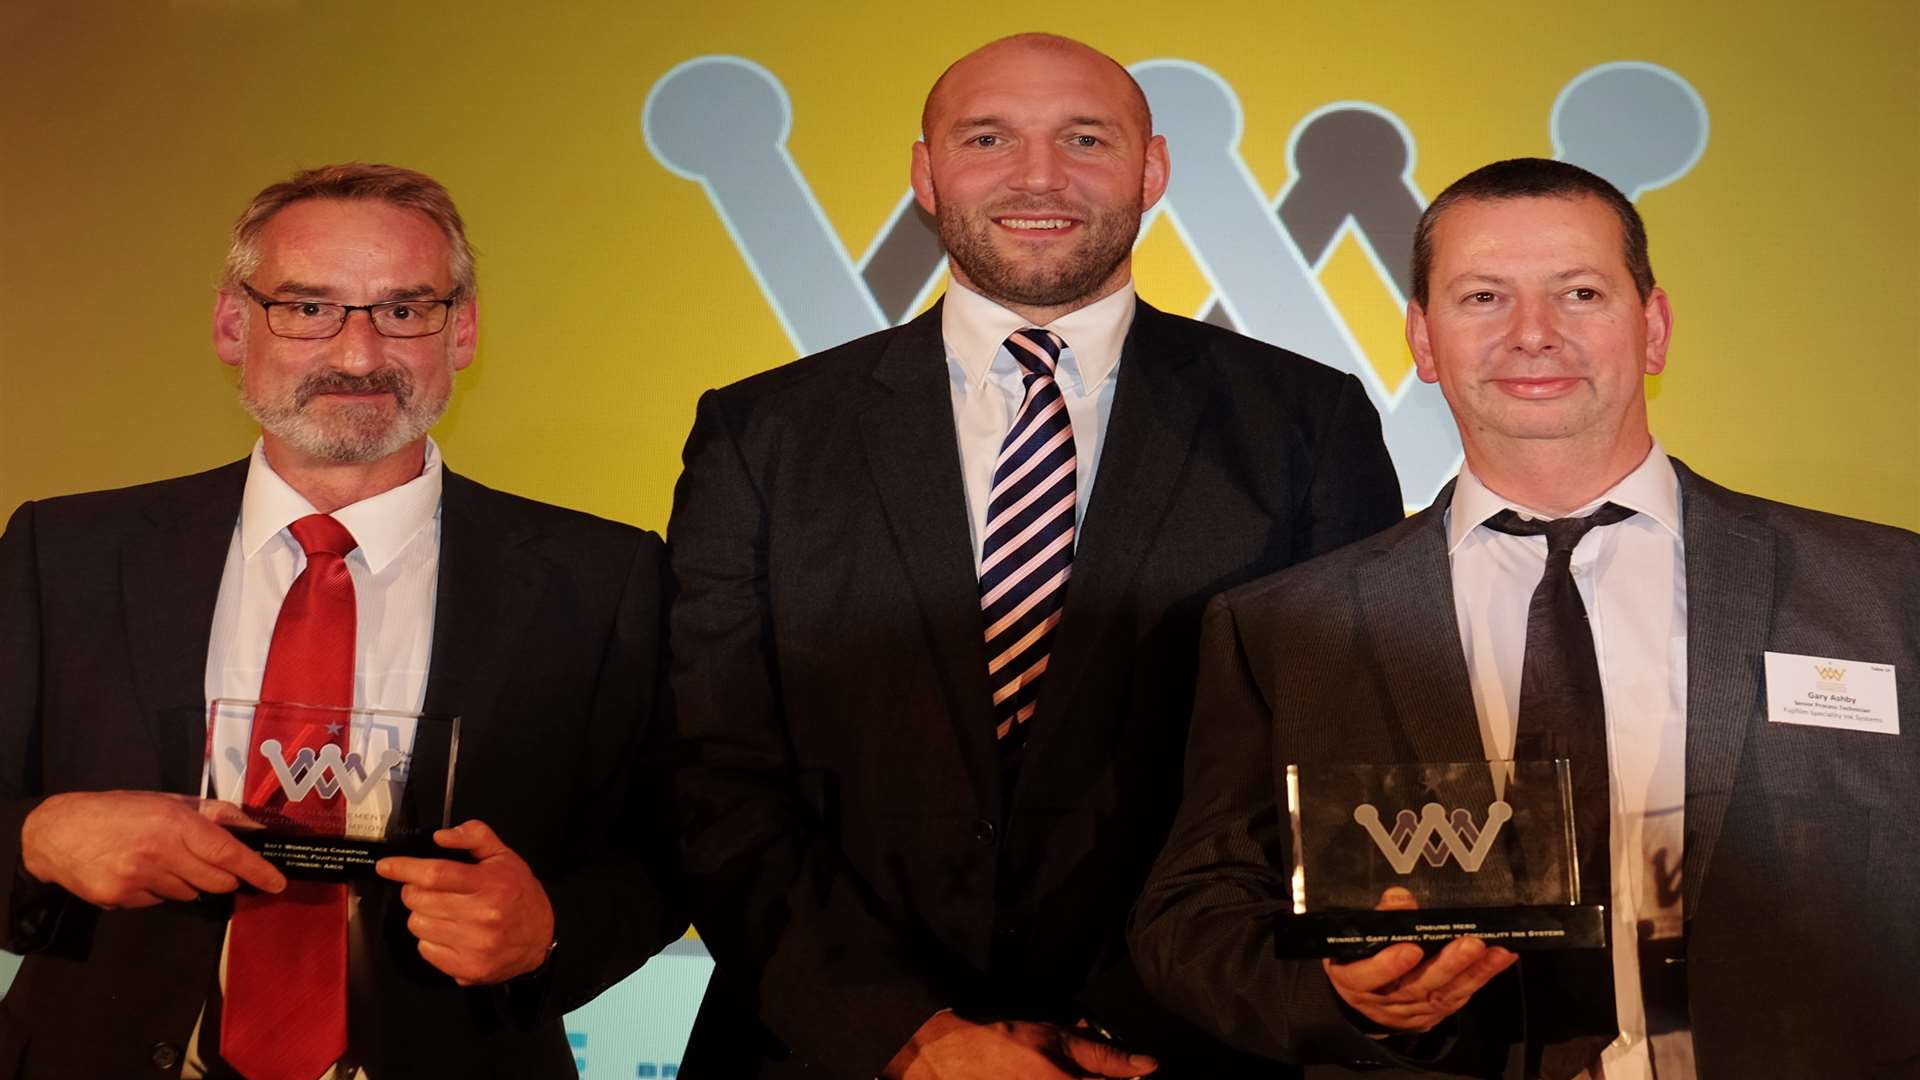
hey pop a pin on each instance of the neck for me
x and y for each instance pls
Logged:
(1556, 476)
(330, 485)
(1043, 316)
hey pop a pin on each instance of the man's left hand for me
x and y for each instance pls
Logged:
(481, 922)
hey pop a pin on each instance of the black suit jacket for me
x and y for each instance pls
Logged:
(1799, 880)
(858, 856)
(547, 644)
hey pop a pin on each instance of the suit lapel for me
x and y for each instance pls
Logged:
(1156, 408)
(1407, 613)
(486, 592)
(1729, 560)
(170, 577)
(913, 455)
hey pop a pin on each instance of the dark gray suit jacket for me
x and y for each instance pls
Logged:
(1800, 871)
(547, 644)
(858, 857)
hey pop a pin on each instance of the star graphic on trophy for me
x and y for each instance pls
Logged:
(334, 729)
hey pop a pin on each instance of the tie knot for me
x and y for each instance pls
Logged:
(1036, 350)
(318, 532)
(1563, 534)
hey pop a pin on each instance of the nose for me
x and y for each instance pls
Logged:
(358, 345)
(1039, 169)
(1535, 328)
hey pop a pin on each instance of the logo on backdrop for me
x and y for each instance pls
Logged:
(1351, 164)
(1434, 835)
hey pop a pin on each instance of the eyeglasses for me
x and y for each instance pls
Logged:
(316, 320)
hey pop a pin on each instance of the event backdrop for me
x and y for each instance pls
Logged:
(666, 199)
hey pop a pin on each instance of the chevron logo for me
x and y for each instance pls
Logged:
(327, 772)
(1434, 835)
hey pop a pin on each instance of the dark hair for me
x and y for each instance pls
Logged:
(1533, 178)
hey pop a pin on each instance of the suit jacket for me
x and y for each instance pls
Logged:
(1798, 874)
(859, 858)
(547, 644)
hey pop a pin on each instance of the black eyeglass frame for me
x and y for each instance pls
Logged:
(267, 304)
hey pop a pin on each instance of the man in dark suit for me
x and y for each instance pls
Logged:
(940, 591)
(1783, 945)
(348, 306)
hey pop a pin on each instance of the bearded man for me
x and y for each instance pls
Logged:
(940, 591)
(339, 564)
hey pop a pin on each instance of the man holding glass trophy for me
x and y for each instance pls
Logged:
(329, 762)
(1593, 768)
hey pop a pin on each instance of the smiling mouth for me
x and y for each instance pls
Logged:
(1035, 224)
(1539, 386)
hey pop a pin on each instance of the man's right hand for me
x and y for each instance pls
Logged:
(121, 849)
(948, 1047)
(1403, 989)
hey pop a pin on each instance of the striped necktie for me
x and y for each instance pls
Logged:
(1027, 553)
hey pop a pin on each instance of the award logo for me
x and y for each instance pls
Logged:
(328, 772)
(1434, 835)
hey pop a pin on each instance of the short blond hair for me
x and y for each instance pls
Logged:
(404, 188)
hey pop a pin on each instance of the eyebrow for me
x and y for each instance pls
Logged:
(323, 292)
(1496, 279)
(972, 122)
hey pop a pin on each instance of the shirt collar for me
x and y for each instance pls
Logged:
(382, 525)
(975, 327)
(1651, 488)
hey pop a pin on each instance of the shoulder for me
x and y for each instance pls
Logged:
(1314, 590)
(1243, 360)
(95, 511)
(797, 383)
(471, 505)
(1803, 528)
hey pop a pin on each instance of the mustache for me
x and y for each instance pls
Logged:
(384, 381)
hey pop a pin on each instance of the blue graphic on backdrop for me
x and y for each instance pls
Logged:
(1639, 125)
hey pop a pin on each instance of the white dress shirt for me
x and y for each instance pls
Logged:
(1632, 579)
(987, 387)
(395, 571)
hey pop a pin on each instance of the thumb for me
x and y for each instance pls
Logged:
(473, 837)
(1105, 1059)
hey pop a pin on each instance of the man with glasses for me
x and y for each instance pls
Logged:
(340, 564)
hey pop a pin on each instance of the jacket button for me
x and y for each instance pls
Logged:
(983, 831)
(165, 1056)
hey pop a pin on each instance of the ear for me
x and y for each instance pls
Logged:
(1420, 344)
(1659, 318)
(1153, 179)
(920, 175)
(230, 327)
(466, 333)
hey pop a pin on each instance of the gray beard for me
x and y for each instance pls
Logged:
(347, 434)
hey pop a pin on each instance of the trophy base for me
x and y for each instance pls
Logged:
(331, 858)
(1350, 935)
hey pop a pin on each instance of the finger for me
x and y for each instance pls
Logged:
(207, 877)
(474, 837)
(452, 933)
(217, 847)
(1380, 969)
(1396, 898)
(443, 875)
(226, 815)
(1468, 982)
(450, 961)
(1105, 1059)
(1434, 975)
(441, 905)
(171, 887)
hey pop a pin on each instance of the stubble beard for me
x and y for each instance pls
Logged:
(346, 433)
(1106, 241)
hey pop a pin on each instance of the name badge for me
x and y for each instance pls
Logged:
(1820, 691)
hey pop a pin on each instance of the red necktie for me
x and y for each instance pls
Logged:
(286, 996)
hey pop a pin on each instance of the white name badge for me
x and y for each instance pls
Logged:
(1824, 692)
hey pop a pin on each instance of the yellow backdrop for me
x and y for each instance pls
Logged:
(613, 294)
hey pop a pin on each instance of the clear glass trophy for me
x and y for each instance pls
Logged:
(1428, 853)
(324, 792)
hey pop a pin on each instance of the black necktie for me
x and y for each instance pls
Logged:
(1563, 713)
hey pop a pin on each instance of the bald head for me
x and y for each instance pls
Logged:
(985, 61)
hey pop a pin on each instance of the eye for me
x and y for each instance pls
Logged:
(984, 141)
(310, 310)
(1085, 141)
(1582, 292)
(400, 312)
(1481, 297)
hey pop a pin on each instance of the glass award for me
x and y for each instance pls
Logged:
(324, 792)
(1486, 849)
